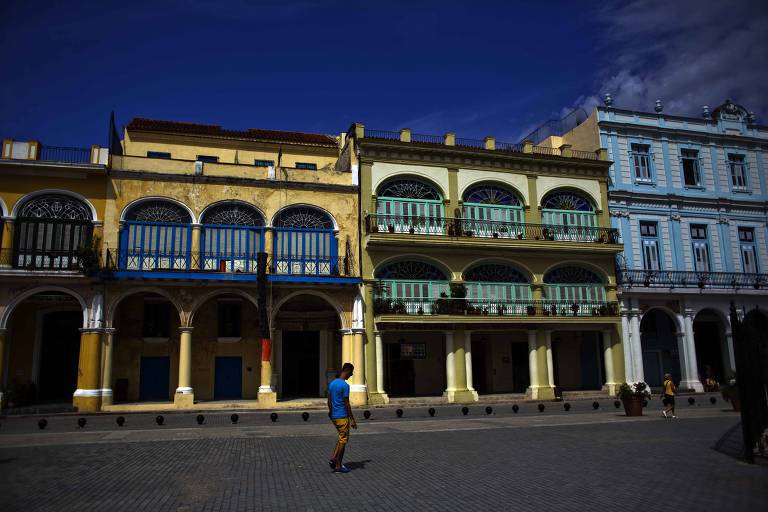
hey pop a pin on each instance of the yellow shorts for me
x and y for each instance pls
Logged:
(342, 426)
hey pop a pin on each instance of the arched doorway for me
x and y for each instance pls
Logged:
(712, 351)
(44, 348)
(307, 346)
(145, 362)
(659, 341)
(226, 348)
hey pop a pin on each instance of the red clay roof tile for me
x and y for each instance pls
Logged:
(214, 130)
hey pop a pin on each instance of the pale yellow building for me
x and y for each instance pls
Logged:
(488, 267)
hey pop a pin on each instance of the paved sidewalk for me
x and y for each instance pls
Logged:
(532, 461)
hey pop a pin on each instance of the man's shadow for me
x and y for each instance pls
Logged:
(357, 464)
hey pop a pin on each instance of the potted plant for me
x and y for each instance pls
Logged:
(532, 310)
(730, 393)
(500, 310)
(632, 397)
(391, 228)
(495, 234)
(411, 230)
(575, 309)
(88, 257)
(398, 307)
(420, 310)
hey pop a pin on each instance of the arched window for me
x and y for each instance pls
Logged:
(49, 230)
(568, 216)
(405, 204)
(156, 235)
(232, 236)
(304, 242)
(494, 211)
(413, 283)
(573, 284)
(496, 281)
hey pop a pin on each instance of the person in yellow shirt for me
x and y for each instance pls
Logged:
(669, 397)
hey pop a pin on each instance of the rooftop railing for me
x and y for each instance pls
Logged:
(689, 279)
(65, 154)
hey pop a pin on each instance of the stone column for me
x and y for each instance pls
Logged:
(637, 347)
(358, 392)
(450, 372)
(347, 341)
(276, 360)
(468, 359)
(6, 239)
(379, 363)
(266, 394)
(194, 258)
(87, 396)
(533, 366)
(185, 397)
(692, 380)
(550, 364)
(610, 385)
(2, 365)
(106, 371)
(626, 335)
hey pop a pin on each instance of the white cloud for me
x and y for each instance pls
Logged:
(688, 53)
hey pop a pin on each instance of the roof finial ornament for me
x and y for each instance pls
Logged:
(751, 119)
(659, 107)
(705, 112)
(607, 99)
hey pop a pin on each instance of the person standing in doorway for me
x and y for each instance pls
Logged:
(340, 413)
(669, 397)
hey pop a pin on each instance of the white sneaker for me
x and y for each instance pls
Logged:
(664, 413)
(675, 417)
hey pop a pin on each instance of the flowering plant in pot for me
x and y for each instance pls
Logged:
(632, 397)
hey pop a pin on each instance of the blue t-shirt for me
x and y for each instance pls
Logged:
(338, 390)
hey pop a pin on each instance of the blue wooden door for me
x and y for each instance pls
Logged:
(228, 383)
(155, 378)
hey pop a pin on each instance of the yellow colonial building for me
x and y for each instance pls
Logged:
(488, 267)
(193, 265)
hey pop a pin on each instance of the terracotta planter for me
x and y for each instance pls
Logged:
(633, 406)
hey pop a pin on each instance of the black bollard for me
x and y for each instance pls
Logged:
(595, 405)
(305, 416)
(367, 414)
(489, 410)
(691, 400)
(541, 407)
(431, 411)
(567, 406)
(712, 400)
(399, 413)
(515, 408)
(465, 410)
(273, 417)
(81, 422)
(160, 420)
(616, 404)
(235, 418)
(42, 423)
(200, 419)
(120, 421)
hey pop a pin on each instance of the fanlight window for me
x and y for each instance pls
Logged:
(493, 211)
(305, 243)
(411, 282)
(566, 200)
(492, 284)
(409, 206)
(233, 214)
(232, 237)
(55, 206)
(409, 189)
(491, 195)
(303, 218)
(49, 231)
(159, 211)
(156, 236)
(573, 284)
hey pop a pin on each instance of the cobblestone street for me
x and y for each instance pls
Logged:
(553, 461)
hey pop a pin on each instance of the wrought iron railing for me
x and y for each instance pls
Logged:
(382, 134)
(687, 279)
(460, 227)
(66, 155)
(509, 147)
(492, 307)
(586, 155)
(427, 139)
(470, 143)
(41, 259)
(234, 264)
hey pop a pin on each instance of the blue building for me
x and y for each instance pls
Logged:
(690, 197)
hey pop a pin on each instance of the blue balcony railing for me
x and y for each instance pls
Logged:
(639, 278)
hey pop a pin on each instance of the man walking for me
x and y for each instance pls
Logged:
(340, 413)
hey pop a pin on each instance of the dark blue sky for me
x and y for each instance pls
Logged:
(485, 68)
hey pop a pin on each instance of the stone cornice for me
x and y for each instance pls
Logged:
(227, 180)
(666, 200)
(453, 157)
(677, 132)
